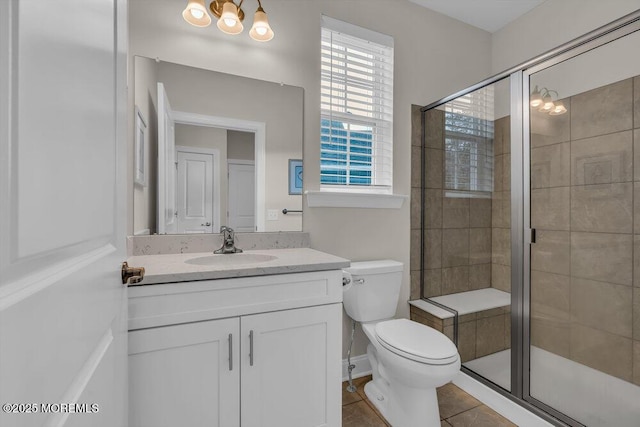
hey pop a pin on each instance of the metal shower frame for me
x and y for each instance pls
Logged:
(521, 231)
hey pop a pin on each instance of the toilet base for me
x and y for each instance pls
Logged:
(419, 408)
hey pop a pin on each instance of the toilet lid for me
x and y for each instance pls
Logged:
(416, 342)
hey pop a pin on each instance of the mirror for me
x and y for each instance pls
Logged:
(214, 149)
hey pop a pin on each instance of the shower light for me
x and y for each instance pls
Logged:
(535, 98)
(547, 104)
(542, 100)
(230, 16)
(558, 109)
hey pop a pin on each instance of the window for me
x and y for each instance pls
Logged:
(356, 136)
(469, 143)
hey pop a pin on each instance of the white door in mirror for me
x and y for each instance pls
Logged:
(166, 165)
(242, 192)
(195, 193)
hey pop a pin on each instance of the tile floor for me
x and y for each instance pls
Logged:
(457, 409)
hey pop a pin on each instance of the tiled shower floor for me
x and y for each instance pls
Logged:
(457, 409)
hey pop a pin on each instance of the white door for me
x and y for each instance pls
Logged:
(242, 197)
(185, 375)
(63, 170)
(167, 222)
(195, 193)
(292, 353)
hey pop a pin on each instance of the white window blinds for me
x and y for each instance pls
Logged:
(469, 123)
(356, 140)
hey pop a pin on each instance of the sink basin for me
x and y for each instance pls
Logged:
(231, 259)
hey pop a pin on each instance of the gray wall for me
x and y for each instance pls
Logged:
(240, 145)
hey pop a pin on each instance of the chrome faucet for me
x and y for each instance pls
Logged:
(228, 242)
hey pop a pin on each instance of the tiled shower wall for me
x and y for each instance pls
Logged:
(585, 198)
(457, 254)
(501, 206)
(467, 240)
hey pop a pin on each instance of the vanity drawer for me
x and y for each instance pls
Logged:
(175, 303)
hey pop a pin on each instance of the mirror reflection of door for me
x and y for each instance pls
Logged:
(197, 181)
(166, 161)
(208, 192)
(241, 195)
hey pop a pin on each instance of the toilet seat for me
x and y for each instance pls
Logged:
(416, 342)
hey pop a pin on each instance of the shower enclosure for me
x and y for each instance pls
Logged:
(529, 229)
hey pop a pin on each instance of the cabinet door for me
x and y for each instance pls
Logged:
(183, 375)
(291, 372)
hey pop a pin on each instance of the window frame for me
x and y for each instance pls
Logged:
(381, 149)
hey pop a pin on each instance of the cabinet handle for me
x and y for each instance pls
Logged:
(231, 352)
(251, 347)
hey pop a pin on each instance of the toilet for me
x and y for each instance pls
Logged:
(408, 359)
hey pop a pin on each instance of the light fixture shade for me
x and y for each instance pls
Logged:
(547, 104)
(558, 109)
(535, 100)
(229, 21)
(261, 31)
(196, 14)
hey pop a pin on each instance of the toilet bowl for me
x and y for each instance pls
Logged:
(408, 359)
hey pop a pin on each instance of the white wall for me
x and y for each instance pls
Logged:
(434, 56)
(552, 24)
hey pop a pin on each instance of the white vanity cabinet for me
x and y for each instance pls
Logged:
(255, 351)
(181, 375)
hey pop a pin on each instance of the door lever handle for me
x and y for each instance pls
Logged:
(131, 275)
(208, 224)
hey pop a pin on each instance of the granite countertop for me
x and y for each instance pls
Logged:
(169, 268)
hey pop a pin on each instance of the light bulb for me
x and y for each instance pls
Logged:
(197, 13)
(261, 31)
(536, 99)
(229, 21)
(547, 104)
(558, 109)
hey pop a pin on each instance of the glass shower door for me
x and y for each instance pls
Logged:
(584, 192)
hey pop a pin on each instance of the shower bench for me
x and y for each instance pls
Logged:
(484, 321)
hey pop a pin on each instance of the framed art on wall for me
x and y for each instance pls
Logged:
(295, 176)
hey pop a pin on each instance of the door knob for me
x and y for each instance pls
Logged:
(131, 275)
(208, 224)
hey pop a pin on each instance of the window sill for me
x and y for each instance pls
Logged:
(333, 199)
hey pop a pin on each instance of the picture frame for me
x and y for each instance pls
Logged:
(295, 176)
(140, 163)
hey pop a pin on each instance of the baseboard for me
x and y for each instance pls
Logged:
(362, 369)
(505, 407)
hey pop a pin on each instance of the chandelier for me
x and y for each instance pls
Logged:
(542, 100)
(230, 17)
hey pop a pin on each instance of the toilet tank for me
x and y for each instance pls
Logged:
(373, 289)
